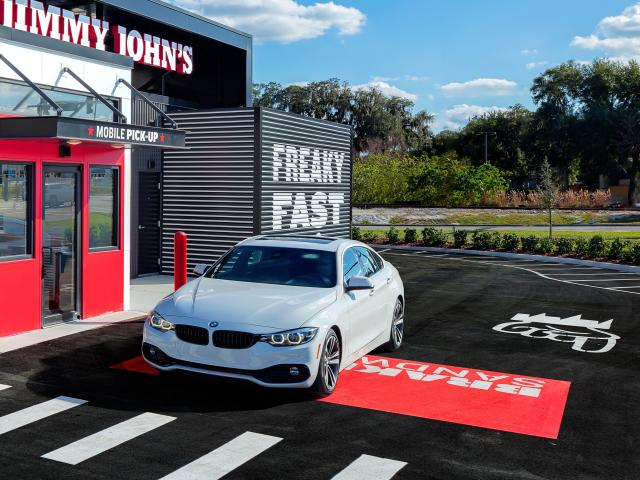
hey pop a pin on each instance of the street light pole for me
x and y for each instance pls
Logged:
(486, 144)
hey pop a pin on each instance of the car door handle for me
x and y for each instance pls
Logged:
(388, 280)
(372, 291)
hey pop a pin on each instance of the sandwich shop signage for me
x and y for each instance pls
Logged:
(64, 25)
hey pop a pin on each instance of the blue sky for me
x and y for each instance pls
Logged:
(454, 57)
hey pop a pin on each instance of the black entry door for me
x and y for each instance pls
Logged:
(149, 223)
(60, 240)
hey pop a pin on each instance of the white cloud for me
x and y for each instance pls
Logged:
(529, 52)
(480, 87)
(532, 65)
(281, 21)
(458, 116)
(618, 36)
(416, 78)
(387, 90)
(384, 79)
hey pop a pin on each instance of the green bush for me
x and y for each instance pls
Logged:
(460, 238)
(433, 237)
(529, 243)
(596, 247)
(410, 235)
(495, 240)
(510, 241)
(356, 233)
(393, 236)
(369, 236)
(582, 247)
(615, 249)
(564, 246)
(545, 246)
(635, 253)
(481, 240)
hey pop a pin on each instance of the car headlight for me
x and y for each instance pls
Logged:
(290, 337)
(155, 320)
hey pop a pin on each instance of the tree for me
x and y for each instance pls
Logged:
(549, 191)
(380, 123)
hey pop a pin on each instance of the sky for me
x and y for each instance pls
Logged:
(453, 58)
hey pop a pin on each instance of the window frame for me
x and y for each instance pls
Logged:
(377, 268)
(116, 209)
(344, 253)
(29, 237)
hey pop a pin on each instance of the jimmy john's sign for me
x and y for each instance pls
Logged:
(64, 25)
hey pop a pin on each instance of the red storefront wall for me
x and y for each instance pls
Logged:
(102, 287)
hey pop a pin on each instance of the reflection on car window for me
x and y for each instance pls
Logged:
(370, 264)
(280, 266)
(351, 265)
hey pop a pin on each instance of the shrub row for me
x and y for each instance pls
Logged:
(595, 247)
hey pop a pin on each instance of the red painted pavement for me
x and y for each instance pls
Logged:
(499, 401)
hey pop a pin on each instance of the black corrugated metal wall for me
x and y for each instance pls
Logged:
(248, 171)
(207, 190)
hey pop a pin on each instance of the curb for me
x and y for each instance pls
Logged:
(522, 256)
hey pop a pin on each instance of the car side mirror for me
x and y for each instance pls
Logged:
(200, 268)
(359, 283)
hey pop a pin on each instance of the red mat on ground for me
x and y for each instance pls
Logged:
(499, 401)
(137, 365)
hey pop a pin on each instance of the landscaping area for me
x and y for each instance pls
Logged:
(606, 246)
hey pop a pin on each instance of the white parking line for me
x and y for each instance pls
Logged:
(605, 279)
(37, 412)
(226, 458)
(366, 467)
(100, 442)
(593, 274)
(4, 387)
(626, 287)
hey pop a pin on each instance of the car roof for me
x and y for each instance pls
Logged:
(309, 242)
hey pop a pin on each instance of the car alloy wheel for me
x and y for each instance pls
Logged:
(331, 361)
(397, 325)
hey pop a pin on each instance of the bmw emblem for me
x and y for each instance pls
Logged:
(214, 324)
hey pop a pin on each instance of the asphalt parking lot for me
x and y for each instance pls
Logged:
(509, 369)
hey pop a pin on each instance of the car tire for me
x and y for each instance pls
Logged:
(397, 327)
(329, 368)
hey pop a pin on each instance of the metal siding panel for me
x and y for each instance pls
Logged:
(208, 188)
(320, 143)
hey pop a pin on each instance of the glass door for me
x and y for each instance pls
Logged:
(60, 239)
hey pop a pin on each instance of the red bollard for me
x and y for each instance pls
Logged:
(179, 260)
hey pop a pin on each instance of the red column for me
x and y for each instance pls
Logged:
(180, 259)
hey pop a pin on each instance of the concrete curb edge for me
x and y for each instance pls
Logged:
(522, 256)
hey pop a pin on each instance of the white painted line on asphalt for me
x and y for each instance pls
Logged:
(4, 387)
(605, 280)
(111, 437)
(226, 458)
(367, 466)
(382, 251)
(592, 274)
(626, 287)
(37, 412)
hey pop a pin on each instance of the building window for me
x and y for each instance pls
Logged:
(104, 200)
(19, 99)
(16, 206)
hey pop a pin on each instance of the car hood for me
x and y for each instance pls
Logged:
(245, 305)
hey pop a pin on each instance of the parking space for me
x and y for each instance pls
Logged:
(510, 369)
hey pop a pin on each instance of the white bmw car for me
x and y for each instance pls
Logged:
(280, 311)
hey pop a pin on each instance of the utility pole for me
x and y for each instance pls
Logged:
(486, 144)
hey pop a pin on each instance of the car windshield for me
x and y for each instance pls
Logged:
(276, 265)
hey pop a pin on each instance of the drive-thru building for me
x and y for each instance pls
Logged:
(123, 121)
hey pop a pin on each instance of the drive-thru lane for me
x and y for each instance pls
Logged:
(510, 369)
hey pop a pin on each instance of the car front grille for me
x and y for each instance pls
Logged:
(231, 339)
(191, 334)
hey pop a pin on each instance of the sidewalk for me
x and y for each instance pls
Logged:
(145, 293)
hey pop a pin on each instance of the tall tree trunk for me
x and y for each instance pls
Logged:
(633, 173)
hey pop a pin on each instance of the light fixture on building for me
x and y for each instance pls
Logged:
(74, 142)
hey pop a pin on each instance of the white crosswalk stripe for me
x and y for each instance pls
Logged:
(4, 387)
(226, 458)
(100, 442)
(367, 467)
(37, 412)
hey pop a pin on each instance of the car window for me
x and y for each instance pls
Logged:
(370, 265)
(350, 265)
(280, 266)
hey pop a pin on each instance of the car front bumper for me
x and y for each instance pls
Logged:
(263, 364)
